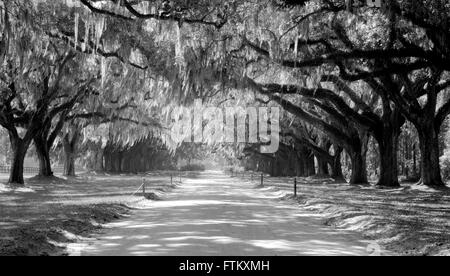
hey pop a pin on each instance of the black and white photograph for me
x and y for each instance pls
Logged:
(224, 134)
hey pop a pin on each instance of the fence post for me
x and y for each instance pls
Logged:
(295, 187)
(171, 179)
(180, 178)
(251, 178)
(262, 180)
(143, 187)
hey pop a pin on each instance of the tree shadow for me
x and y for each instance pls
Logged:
(215, 215)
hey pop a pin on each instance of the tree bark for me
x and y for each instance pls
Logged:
(388, 160)
(69, 161)
(429, 147)
(336, 173)
(70, 141)
(359, 170)
(388, 143)
(358, 152)
(43, 152)
(19, 149)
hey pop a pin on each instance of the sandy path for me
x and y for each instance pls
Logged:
(216, 215)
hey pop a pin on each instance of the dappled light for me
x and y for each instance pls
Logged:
(214, 215)
(76, 203)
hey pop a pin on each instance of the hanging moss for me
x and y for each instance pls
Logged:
(103, 70)
(99, 28)
(77, 23)
(87, 26)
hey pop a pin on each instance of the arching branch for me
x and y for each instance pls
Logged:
(163, 16)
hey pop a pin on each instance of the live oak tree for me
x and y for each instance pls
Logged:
(33, 106)
(116, 121)
(86, 37)
(389, 49)
(384, 125)
(35, 85)
(409, 58)
(300, 143)
(130, 115)
(320, 147)
(70, 139)
(43, 79)
(342, 133)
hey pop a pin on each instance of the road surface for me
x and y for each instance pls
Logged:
(215, 215)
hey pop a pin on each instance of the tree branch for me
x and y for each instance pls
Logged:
(91, 49)
(323, 94)
(160, 16)
(88, 4)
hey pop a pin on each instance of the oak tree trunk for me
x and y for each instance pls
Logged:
(359, 170)
(358, 153)
(388, 147)
(69, 163)
(429, 147)
(69, 159)
(43, 152)
(19, 149)
(336, 173)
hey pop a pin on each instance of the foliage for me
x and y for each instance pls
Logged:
(445, 165)
(340, 70)
(5, 150)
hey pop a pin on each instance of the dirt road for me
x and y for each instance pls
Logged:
(214, 214)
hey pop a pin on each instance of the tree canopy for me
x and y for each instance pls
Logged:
(339, 69)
